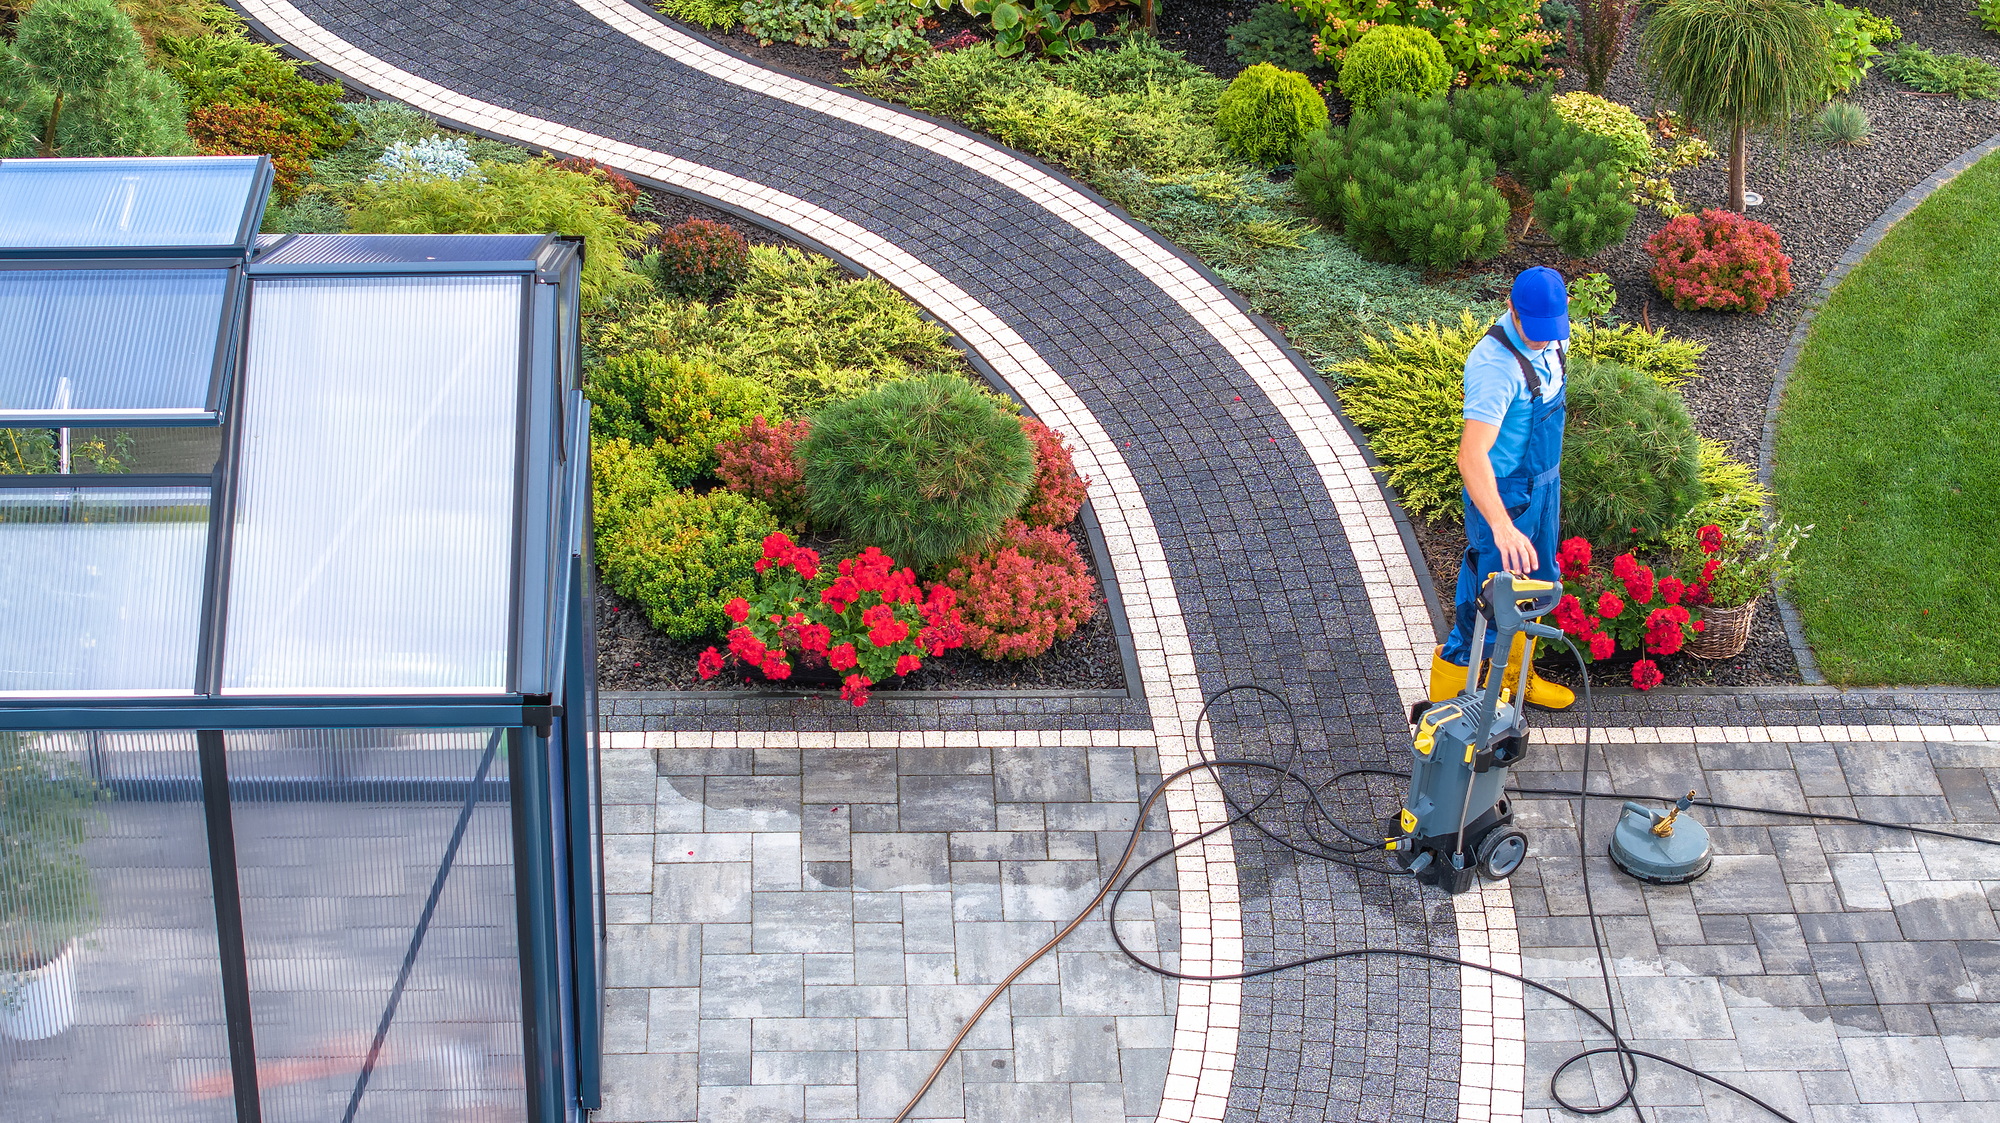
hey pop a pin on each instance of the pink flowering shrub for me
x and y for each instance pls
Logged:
(1721, 261)
(759, 462)
(866, 622)
(1632, 608)
(1023, 594)
(1058, 492)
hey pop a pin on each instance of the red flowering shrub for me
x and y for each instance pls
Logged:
(759, 462)
(254, 129)
(869, 619)
(1720, 260)
(1058, 492)
(698, 258)
(628, 192)
(1021, 596)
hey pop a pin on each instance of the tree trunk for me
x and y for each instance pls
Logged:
(1739, 159)
(48, 146)
(1146, 17)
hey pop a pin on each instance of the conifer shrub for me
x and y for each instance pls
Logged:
(226, 68)
(224, 129)
(1020, 596)
(924, 468)
(1266, 110)
(680, 555)
(1410, 179)
(1393, 59)
(1631, 460)
(1058, 491)
(1403, 186)
(1407, 391)
(762, 461)
(75, 81)
(683, 409)
(1275, 34)
(698, 258)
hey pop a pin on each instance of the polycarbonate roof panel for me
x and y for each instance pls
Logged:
(150, 203)
(101, 589)
(375, 494)
(105, 343)
(369, 249)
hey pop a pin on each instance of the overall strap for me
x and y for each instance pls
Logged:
(1527, 368)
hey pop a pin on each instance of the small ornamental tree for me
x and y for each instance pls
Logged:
(1601, 26)
(866, 623)
(1058, 491)
(1720, 261)
(76, 81)
(1019, 598)
(1741, 64)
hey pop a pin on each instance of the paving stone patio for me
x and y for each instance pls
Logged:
(1847, 974)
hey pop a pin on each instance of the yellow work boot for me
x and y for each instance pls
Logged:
(1447, 677)
(1541, 692)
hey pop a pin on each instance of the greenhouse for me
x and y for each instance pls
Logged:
(297, 782)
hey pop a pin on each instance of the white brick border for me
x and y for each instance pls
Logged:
(1765, 734)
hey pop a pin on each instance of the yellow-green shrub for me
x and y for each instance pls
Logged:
(1266, 110)
(682, 408)
(1624, 129)
(1393, 59)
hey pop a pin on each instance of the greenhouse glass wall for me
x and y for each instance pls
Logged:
(298, 818)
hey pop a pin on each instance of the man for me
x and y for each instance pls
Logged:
(1510, 456)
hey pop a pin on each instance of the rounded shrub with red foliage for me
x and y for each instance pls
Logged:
(1720, 261)
(698, 258)
(1058, 491)
(1023, 594)
(760, 462)
(628, 192)
(866, 621)
(255, 129)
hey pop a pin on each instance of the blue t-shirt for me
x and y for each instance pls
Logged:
(1496, 393)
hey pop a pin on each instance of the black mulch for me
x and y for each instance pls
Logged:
(633, 655)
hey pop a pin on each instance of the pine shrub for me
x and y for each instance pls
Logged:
(698, 258)
(1959, 75)
(226, 68)
(762, 462)
(1394, 59)
(1586, 208)
(1631, 460)
(682, 556)
(1404, 187)
(1720, 261)
(1275, 34)
(682, 408)
(1058, 491)
(1266, 110)
(1022, 595)
(923, 468)
(75, 82)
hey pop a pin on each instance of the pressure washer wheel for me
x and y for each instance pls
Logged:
(1501, 853)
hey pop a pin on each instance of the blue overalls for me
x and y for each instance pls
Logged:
(1532, 493)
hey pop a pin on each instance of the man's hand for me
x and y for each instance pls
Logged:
(1517, 553)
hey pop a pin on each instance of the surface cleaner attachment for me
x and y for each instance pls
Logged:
(1456, 818)
(1665, 848)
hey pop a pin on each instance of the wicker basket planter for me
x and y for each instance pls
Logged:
(1724, 632)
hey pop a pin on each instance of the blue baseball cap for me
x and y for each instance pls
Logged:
(1542, 302)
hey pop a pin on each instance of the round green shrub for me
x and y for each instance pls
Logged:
(1624, 129)
(924, 468)
(1631, 459)
(682, 409)
(682, 556)
(1266, 110)
(1394, 59)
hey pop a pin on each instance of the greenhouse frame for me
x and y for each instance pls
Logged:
(298, 808)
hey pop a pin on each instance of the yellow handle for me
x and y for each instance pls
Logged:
(1525, 585)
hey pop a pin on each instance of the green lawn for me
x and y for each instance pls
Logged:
(1889, 444)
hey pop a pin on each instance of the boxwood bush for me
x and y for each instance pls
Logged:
(1265, 111)
(680, 555)
(924, 468)
(683, 408)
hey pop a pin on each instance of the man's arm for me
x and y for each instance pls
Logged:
(1517, 553)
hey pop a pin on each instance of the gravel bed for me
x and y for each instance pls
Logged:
(633, 655)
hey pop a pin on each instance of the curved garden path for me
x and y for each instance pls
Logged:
(1248, 539)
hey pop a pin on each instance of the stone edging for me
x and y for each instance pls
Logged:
(1855, 253)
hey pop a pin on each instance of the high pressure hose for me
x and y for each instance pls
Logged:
(1345, 854)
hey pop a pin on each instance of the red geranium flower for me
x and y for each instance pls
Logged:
(1569, 615)
(775, 666)
(855, 689)
(1710, 538)
(1639, 586)
(1608, 605)
(1573, 557)
(710, 663)
(1671, 589)
(895, 631)
(815, 637)
(842, 658)
(737, 610)
(877, 616)
(1646, 675)
(908, 663)
(1602, 646)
